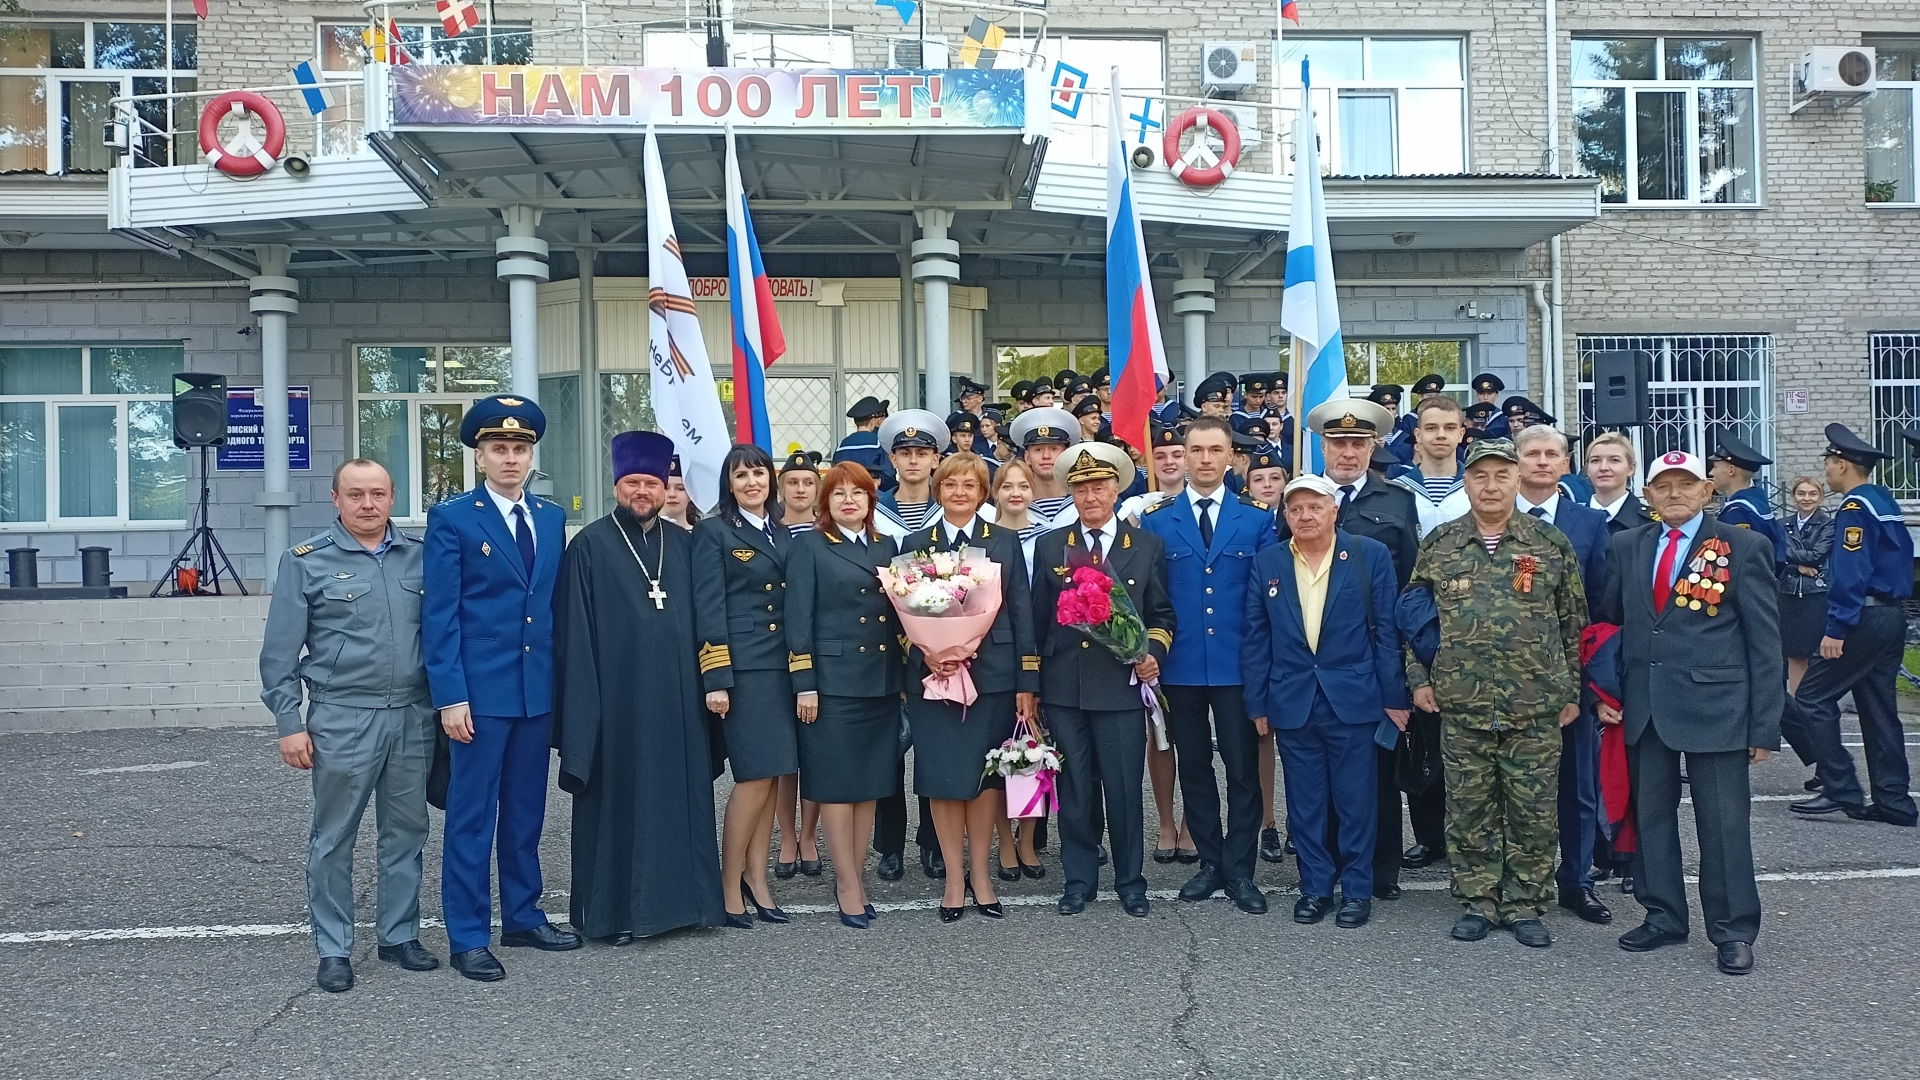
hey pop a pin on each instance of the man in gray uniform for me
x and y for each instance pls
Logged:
(350, 598)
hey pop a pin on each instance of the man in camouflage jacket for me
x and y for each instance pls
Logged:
(1505, 679)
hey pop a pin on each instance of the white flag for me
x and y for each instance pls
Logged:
(686, 401)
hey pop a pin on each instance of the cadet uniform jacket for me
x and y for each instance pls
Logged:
(1509, 649)
(1006, 660)
(843, 638)
(1076, 671)
(739, 598)
(358, 619)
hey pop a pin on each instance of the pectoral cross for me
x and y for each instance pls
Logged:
(659, 596)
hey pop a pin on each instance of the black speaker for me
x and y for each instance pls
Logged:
(1620, 387)
(199, 409)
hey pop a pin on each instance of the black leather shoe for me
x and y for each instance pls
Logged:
(952, 914)
(1032, 870)
(1009, 873)
(991, 911)
(335, 975)
(1420, 855)
(1472, 927)
(1270, 849)
(1186, 855)
(616, 940)
(1736, 958)
(1247, 896)
(1073, 904)
(1646, 938)
(785, 870)
(1386, 892)
(1165, 855)
(1354, 912)
(891, 867)
(1100, 854)
(478, 965)
(1813, 786)
(1820, 804)
(546, 937)
(1288, 846)
(1600, 874)
(931, 864)
(855, 922)
(1584, 903)
(810, 867)
(1135, 906)
(1627, 884)
(409, 955)
(1311, 909)
(1876, 812)
(1203, 884)
(1532, 933)
(739, 921)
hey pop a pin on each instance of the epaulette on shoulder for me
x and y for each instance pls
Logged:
(1253, 502)
(310, 546)
(420, 538)
(1852, 503)
(1164, 502)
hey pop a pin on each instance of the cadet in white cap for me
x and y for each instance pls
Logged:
(913, 440)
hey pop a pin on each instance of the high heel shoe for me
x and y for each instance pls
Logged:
(740, 921)
(952, 914)
(785, 870)
(767, 914)
(810, 867)
(872, 914)
(1032, 870)
(1009, 873)
(857, 922)
(991, 911)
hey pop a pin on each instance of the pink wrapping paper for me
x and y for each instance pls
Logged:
(955, 636)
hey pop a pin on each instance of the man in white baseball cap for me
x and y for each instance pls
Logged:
(1712, 685)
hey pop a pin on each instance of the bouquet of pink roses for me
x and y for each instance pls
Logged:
(1094, 603)
(947, 601)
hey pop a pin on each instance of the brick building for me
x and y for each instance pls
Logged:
(1680, 207)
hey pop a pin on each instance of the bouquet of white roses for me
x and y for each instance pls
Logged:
(1029, 765)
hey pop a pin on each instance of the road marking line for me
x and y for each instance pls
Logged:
(1687, 800)
(262, 930)
(169, 766)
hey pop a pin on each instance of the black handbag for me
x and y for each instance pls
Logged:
(1416, 761)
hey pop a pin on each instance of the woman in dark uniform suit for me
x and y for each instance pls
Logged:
(740, 592)
(847, 662)
(950, 743)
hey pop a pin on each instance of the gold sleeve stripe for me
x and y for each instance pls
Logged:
(714, 656)
(799, 662)
(1030, 663)
(1164, 637)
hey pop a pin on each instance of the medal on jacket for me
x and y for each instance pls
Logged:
(1707, 575)
(486, 548)
(1523, 571)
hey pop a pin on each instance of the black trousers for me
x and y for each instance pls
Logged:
(890, 819)
(1427, 811)
(1722, 811)
(1868, 667)
(1194, 734)
(1106, 752)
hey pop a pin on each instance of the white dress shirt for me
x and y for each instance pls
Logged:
(1212, 512)
(1612, 509)
(1551, 506)
(506, 506)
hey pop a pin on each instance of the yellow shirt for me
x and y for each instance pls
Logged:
(1311, 584)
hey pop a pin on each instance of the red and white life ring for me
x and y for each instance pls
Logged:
(1199, 166)
(246, 156)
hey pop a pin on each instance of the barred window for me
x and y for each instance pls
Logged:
(1702, 387)
(1896, 404)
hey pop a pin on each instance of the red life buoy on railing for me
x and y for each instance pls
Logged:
(246, 156)
(1199, 166)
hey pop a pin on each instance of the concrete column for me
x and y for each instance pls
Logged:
(271, 298)
(1193, 302)
(909, 325)
(936, 264)
(593, 483)
(523, 266)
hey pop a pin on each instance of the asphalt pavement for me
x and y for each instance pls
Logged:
(152, 910)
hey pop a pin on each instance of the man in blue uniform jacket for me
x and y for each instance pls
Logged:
(1744, 504)
(492, 558)
(862, 445)
(1321, 660)
(1872, 572)
(1211, 538)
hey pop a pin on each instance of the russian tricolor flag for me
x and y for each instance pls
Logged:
(1136, 357)
(757, 340)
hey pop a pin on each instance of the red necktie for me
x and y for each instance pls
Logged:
(1663, 575)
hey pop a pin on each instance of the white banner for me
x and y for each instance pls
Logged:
(686, 402)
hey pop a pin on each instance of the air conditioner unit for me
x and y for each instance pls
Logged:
(1838, 73)
(1227, 66)
(1246, 118)
(907, 52)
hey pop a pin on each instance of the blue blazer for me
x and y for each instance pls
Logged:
(1586, 529)
(1362, 678)
(486, 625)
(1207, 584)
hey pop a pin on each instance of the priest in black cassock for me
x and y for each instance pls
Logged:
(629, 717)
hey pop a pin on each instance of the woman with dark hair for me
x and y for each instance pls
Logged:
(1804, 580)
(951, 741)
(740, 589)
(847, 663)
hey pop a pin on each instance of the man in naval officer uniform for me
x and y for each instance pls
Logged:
(493, 556)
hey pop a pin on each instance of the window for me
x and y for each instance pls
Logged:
(1896, 404)
(1401, 363)
(1025, 363)
(408, 404)
(86, 436)
(1668, 121)
(342, 50)
(1702, 387)
(1384, 106)
(1889, 121)
(58, 80)
(750, 48)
